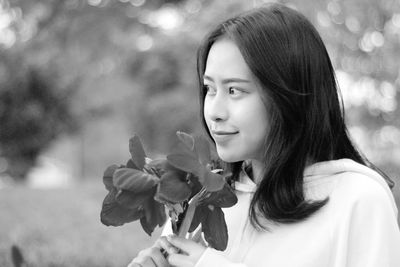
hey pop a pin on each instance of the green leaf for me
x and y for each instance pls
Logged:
(211, 181)
(114, 214)
(186, 139)
(108, 176)
(133, 180)
(202, 149)
(215, 230)
(173, 188)
(224, 198)
(137, 152)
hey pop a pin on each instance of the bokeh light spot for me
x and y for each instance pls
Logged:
(144, 42)
(334, 8)
(137, 3)
(323, 19)
(94, 2)
(377, 39)
(352, 24)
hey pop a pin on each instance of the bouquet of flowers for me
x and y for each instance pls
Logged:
(188, 184)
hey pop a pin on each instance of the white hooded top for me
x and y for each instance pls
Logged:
(356, 228)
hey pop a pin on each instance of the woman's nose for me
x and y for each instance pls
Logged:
(216, 108)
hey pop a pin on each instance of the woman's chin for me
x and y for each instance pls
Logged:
(228, 157)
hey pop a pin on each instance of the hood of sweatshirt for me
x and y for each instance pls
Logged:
(321, 171)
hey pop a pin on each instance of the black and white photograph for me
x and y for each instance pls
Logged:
(199, 133)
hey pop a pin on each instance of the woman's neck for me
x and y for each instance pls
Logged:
(257, 169)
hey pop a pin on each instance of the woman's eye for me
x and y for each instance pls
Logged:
(234, 91)
(209, 90)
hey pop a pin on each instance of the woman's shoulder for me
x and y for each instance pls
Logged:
(348, 183)
(356, 187)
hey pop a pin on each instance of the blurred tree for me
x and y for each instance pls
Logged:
(33, 112)
(136, 59)
(363, 38)
(62, 43)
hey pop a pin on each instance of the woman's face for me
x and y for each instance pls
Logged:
(233, 109)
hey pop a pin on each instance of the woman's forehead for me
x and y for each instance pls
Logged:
(225, 61)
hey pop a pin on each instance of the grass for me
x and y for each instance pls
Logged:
(61, 227)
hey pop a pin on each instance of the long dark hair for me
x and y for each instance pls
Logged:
(288, 57)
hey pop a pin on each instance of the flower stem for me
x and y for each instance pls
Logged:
(187, 221)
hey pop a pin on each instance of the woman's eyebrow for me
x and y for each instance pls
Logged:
(228, 80)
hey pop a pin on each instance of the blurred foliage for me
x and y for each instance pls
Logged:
(34, 110)
(135, 60)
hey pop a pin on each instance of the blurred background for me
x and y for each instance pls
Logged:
(79, 77)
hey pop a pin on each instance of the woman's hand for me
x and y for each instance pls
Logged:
(189, 252)
(153, 256)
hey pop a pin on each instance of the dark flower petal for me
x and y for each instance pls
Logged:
(160, 166)
(200, 214)
(133, 180)
(131, 164)
(133, 201)
(137, 152)
(186, 139)
(157, 166)
(108, 177)
(184, 159)
(211, 181)
(202, 149)
(173, 188)
(215, 230)
(224, 198)
(114, 214)
(194, 184)
(161, 214)
(154, 215)
(146, 226)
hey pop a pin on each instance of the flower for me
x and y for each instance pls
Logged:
(131, 192)
(187, 183)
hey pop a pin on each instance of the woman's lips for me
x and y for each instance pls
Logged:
(222, 136)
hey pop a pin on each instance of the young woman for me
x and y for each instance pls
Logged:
(306, 196)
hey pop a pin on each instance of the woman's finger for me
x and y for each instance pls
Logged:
(180, 260)
(183, 244)
(142, 262)
(164, 244)
(151, 257)
(158, 258)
